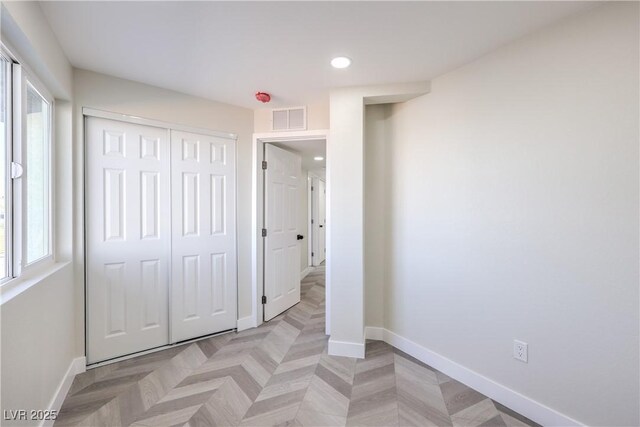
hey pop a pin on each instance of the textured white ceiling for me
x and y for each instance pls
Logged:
(226, 51)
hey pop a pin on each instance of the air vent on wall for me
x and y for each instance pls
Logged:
(294, 118)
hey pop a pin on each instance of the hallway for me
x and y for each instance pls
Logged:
(277, 374)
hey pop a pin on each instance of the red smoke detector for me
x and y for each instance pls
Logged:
(263, 97)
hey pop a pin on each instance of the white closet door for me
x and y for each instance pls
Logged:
(128, 238)
(204, 235)
(282, 255)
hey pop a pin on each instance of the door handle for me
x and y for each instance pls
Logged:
(300, 237)
(16, 170)
(321, 226)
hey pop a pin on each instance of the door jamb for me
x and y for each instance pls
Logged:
(257, 218)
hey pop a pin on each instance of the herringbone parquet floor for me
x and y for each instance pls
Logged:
(277, 374)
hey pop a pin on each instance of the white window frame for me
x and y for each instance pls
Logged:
(8, 236)
(18, 267)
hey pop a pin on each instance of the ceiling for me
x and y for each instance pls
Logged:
(307, 149)
(226, 51)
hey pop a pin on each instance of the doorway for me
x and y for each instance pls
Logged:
(287, 164)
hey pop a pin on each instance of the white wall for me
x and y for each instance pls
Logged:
(513, 209)
(345, 209)
(123, 96)
(38, 343)
(376, 158)
(38, 325)
(320, 173)
(27, 30)
(345, 228)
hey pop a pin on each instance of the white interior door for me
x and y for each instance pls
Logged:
(282, 254)
(203, 296)
(318, 212)
(322, 221)
(127, 238)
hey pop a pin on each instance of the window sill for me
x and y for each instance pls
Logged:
(15, 287)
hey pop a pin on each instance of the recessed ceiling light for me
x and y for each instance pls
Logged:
(318, 158)
(340, 62)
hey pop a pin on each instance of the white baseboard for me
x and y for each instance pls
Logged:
(374, 333)
(347, 349)
(77, 366)
(246, 322)
(523, 405)
(306, 272)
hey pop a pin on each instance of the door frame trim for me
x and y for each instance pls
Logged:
(257, 217)
(92, 112)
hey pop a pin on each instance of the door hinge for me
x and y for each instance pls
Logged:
(264, 299)
(311, 221)
(312, 254)
(312, 188)
(264, 232)
(264, 164)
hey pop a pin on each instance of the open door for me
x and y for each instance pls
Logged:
(322, 221)
(318, 221)
(282, 253)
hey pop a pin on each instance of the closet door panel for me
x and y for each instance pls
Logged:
(204, 284)
(128, 237)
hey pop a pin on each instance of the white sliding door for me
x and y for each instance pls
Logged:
(203, 187)
(128, 238)
(282, 254)
(160, 237)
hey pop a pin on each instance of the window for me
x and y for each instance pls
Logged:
(36, 162)
(25, 169)
(5, 145)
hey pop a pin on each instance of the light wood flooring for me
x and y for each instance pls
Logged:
(277, 374)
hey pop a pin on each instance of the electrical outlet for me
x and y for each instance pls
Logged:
(520, 351)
